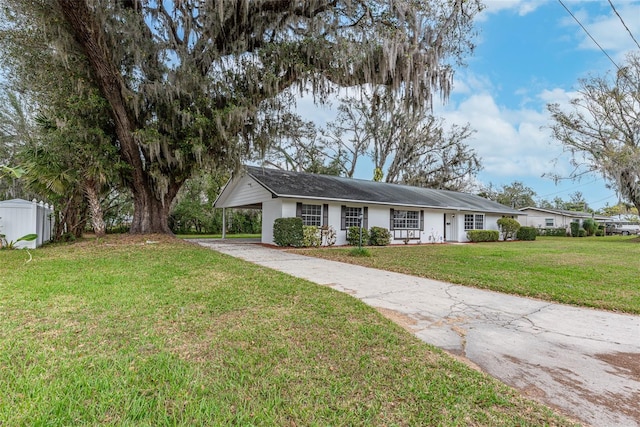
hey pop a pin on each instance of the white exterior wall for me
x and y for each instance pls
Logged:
(271, 210)
(539, 219)
(433, 227)
(20, 217)
(491, 222)
(289, 207)
(246, 192)
(335, 219)
(378, 216)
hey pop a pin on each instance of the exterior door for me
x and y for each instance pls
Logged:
(450, 228)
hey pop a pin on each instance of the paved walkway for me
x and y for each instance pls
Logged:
(584, 362)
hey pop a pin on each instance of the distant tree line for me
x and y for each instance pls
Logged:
(404, 146)
(517, 195)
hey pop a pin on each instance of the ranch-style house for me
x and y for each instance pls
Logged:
(412, 214)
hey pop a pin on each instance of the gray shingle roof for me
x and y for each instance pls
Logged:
(312, 186)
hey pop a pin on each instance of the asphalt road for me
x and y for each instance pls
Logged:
(584, 362)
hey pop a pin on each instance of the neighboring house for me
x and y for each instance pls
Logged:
(412, 214)
(624, 219)
(20, 217)
(556, 218)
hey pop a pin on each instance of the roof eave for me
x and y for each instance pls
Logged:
(409, 205)
(234, 181)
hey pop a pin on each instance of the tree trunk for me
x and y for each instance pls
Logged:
(151, 212)
(628, 184)
(69, 218)
(95, 209)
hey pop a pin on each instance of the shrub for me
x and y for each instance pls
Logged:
(527, 233)
(311, 236)
(483, 235)
(328, 236)
(557, 232)
(590, 226)
(288, 232)
(582, 232)
(379, 236)
(353, 236)
(575, 226)
(67, 237)
(509, 227)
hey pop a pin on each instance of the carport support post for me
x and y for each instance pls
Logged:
(224, 223)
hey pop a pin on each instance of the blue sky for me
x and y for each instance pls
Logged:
(530, 53)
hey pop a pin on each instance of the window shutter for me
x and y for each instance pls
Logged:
(343, 217)
(390, 219)
(299, 210)
(421, 220)
(365, 222)
(325, 214)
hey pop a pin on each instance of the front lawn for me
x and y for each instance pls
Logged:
(600, 272)
(121, 331)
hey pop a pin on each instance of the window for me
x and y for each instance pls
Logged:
(311, 215)
(548, 222)
(468, 222)
(406, 220)
(474, 222)
(352, 217)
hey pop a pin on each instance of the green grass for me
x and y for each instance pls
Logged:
(120, 332)
(360, 252)
(600, 272)
(218, 236)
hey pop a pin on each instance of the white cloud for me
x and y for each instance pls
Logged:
(320, 114)
(607, 28)
(521, 7)
(465, 83)
(556, 95)
(513, 143)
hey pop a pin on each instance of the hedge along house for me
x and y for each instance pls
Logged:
(412, 214)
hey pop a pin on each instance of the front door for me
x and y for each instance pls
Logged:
(450, 228)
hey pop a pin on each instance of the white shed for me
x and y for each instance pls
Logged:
(20, 217)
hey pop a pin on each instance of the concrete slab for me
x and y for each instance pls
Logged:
(584, 362)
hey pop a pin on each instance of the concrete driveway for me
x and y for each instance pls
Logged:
(584, 362)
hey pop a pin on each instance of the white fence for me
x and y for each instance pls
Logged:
(20, 217)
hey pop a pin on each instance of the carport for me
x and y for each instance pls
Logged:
(257, 206)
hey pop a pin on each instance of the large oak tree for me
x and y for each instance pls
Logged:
(602, 128)
(188, 82)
